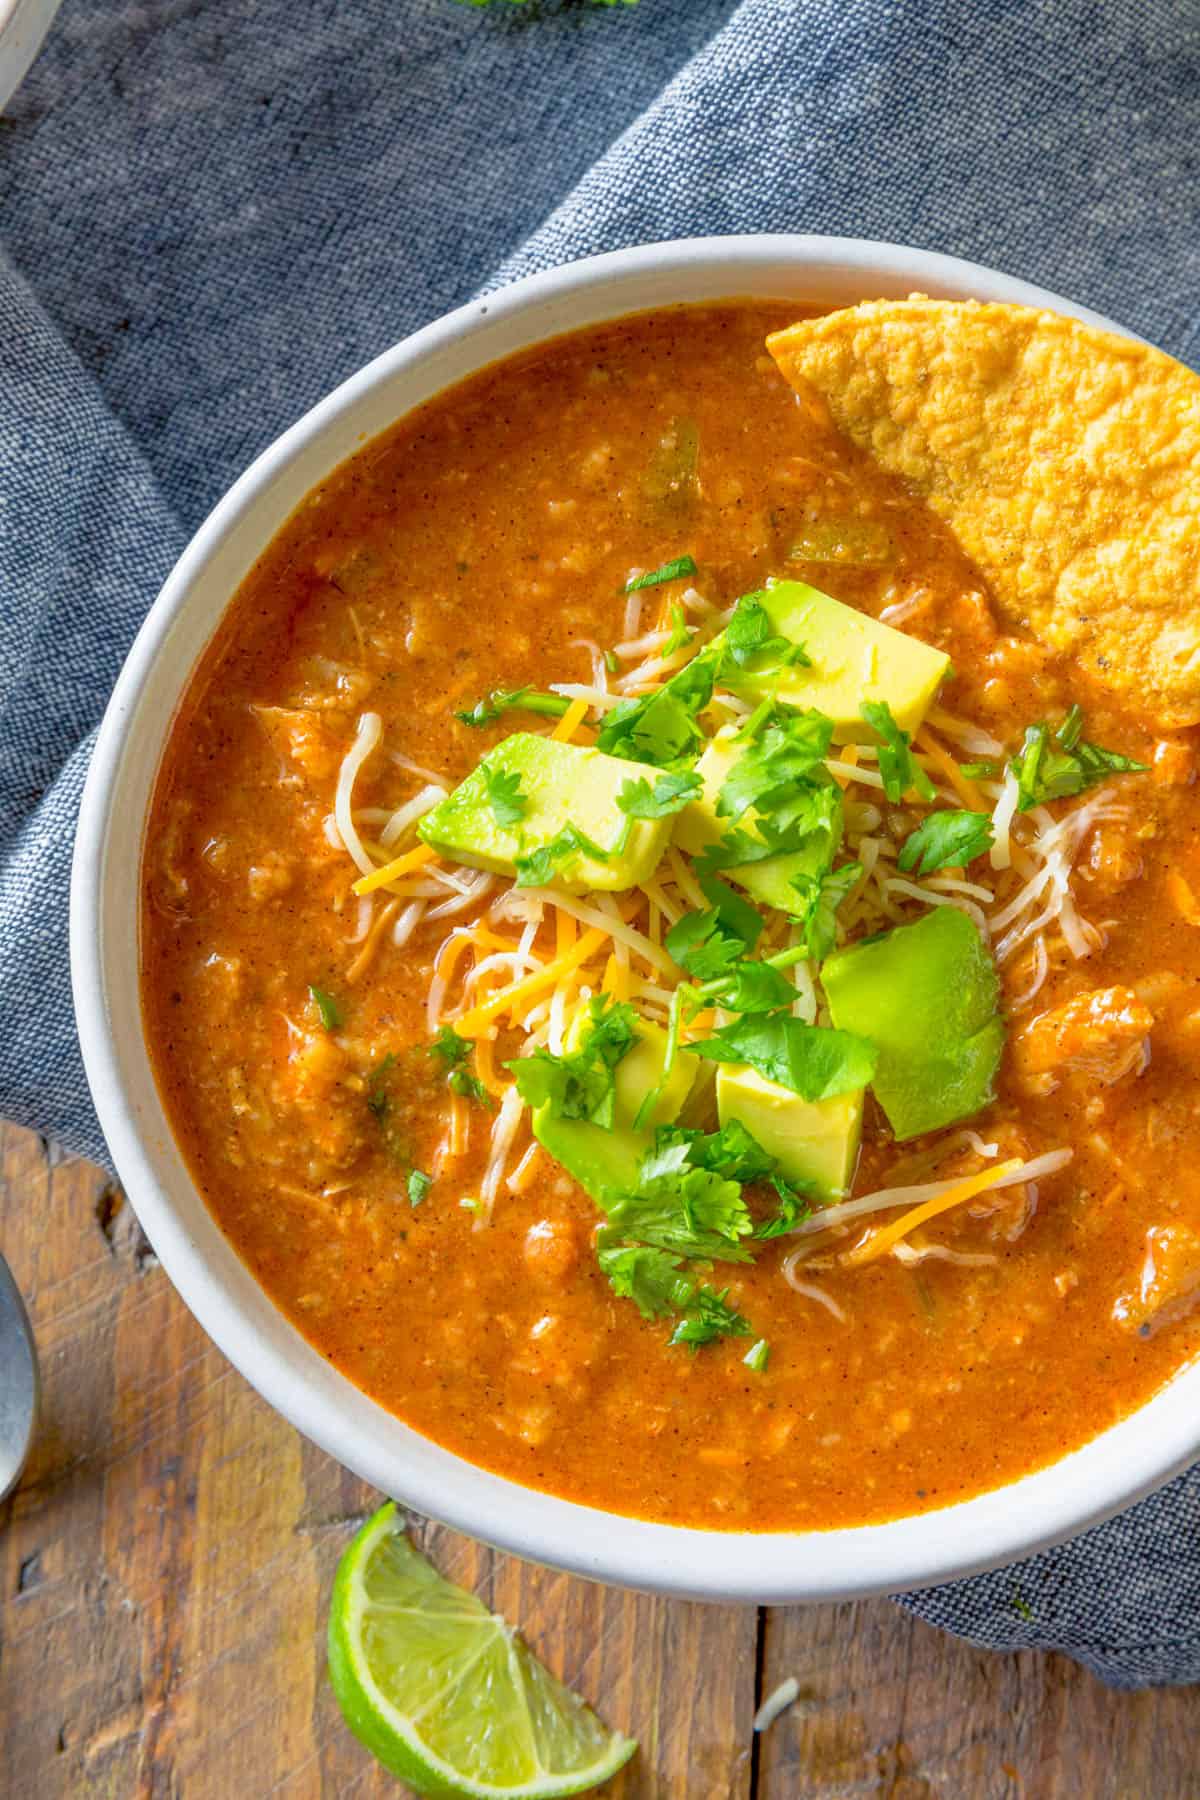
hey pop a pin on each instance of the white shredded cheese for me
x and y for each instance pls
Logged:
(366, 737)
(776, 1703)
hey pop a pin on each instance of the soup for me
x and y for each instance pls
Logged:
(664, 1057)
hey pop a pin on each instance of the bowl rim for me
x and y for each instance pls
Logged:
(1123, 1463)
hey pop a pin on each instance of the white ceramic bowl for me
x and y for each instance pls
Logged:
(23, 25)
(1115, 1469)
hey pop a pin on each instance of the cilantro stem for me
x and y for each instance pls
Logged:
(757, 719)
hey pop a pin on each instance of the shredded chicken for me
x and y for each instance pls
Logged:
(1168, 1283)
(1103, 1034)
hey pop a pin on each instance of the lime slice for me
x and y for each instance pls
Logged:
(446, 1694)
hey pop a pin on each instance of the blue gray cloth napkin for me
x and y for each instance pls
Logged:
(210, 215)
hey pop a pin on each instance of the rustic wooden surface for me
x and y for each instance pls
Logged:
(166, 1564)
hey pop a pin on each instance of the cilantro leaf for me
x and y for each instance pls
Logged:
(752, 987)
(468, 1087)
(668, 571)
(690, 1212)
(703, 946)
(757, 1356)
(451, 1048)
(377, 1094)
(1058, 769)
(539, 866)
(750, 639)
(648, 1277)
(502, 700)
(661, 728)
(810, 1060)
(898, 766)
(794, 1206)
(771, 773)
(946, 840)
(580, 1084)
(681, 632)
(670, 794)
(709, 1316)
(732, 1151)
(419, 1185)
(817, 901)
(509, 805)
(328, 1010)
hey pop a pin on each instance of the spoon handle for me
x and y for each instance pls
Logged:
(18, 1382)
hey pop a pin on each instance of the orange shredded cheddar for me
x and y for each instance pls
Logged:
(881, 1241)
(370, 944)
(474, 1023)
(570, 722)
(565, 930)
(403, 865)
(945, 764)
(616, 979)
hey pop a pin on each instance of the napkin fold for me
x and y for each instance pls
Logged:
(209, 216)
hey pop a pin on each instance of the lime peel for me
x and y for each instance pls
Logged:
(447, 1695)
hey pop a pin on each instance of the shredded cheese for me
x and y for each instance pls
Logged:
(474, 1023)
(946, 766)
(371, 942)
(880, 1242)
(392, 871)
(570, 722)
(366, 737)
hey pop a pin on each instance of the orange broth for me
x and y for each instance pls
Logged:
(470, 548)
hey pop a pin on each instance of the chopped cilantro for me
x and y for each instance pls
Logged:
(450, 1047)
(454, 1051)
(772, 773)
(1021, 1606)
(979, 771)
(703, 946)
(681, 632)
(668, 571)
(817, 901)
(732, 1151)
(793, 1207)
(758, 1356)
(898, 766)
(612, 661)
(509, 805)
(537, 867)
(648, 1277)
(810, 1060)
(661, 728)
(468, 1086)
(687, 1211)
(502, 700)
(419, 1185)
(750, 640)
(670, 794)
(328, 1010)
(709, 1316)
(751, 987)
(946, 840)
(377, 1096)
(1057, 768)
(580, 1084)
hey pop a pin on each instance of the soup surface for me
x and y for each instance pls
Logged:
(393, 1202)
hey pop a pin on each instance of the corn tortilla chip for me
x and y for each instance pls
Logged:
(1065, 459)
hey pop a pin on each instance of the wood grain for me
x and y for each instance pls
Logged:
(166, 1563)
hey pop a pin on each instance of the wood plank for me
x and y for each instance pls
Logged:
(889, 1706)
(167, 1561)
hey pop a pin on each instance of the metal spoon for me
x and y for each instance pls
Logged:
(18, 1383)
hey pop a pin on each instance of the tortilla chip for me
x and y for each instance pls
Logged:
(1066, 461)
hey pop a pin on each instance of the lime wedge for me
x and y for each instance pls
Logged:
(446, 1694)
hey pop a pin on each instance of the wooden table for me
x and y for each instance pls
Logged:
(167, 1561)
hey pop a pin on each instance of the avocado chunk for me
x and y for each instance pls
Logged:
(854, 658)
(698, 826)
(605, 1162)
(926, 996)
(559, 786)
(811, 1140)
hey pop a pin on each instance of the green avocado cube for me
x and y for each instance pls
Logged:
(698, 826)
(926, 995)
(557, 786)
(812, 1140)
(606, 1162)
(854, 658)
